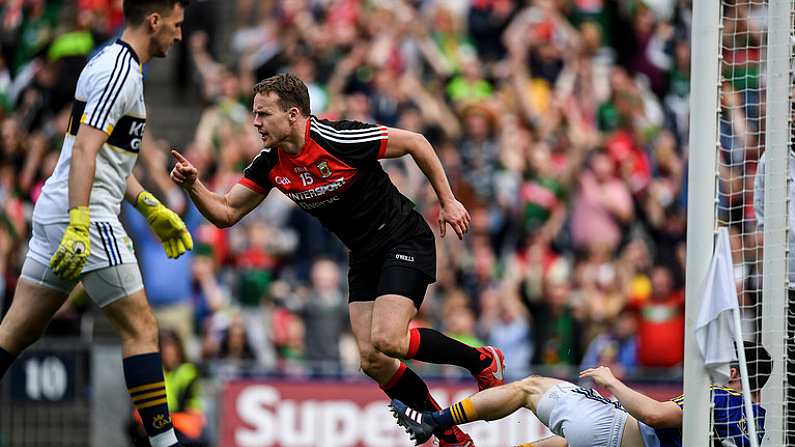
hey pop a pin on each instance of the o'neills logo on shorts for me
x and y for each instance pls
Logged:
(405, 258)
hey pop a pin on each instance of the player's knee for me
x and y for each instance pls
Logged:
(531, 389)
(527, 386)
(22, 337)
(521, 386)
(390, 346)
(371, 361)
(18, 334)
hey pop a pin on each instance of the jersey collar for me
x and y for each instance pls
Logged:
(130, 49)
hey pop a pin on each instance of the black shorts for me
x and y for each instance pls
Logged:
(405, 268)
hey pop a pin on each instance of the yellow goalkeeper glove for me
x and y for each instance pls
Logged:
(166, 224)
(72, 253)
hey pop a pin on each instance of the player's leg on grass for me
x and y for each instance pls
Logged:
(32, 308)
(393, 376)
(143, 370)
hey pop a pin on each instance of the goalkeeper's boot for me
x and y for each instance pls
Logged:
(494, 374)
(418, 424)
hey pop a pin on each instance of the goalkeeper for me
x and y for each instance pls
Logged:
(581, 417)
(77, 235)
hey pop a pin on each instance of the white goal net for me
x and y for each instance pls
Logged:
(740, 150)
(753, 118)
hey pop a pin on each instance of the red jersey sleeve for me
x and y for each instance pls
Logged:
(256, 175)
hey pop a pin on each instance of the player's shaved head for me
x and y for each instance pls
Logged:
(135, 11)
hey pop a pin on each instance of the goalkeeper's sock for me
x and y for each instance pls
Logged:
(431, 346)
(147, 387)
(6, 359)
(456, 414)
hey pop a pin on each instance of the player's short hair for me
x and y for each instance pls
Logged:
(135, 11)
(759, 365)
(291, 90)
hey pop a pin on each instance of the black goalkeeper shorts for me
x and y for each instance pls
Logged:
(405, 268)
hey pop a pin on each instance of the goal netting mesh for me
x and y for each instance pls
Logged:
(742, 119)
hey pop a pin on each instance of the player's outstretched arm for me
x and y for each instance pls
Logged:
(402, 142)
(643, 408)
(222, 210)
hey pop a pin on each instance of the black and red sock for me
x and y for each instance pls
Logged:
(409, 388)
(432, 346)
(406, 386)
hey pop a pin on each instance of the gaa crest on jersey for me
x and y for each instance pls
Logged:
(743, 425)
(325, 171)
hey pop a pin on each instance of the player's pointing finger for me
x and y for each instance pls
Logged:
(178, 156)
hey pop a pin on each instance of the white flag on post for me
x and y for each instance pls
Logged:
(715, 328)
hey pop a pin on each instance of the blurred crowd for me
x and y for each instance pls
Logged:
(562, 126)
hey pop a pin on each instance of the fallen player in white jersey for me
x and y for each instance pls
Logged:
(581, 417)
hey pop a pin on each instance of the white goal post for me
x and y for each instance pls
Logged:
(726, 137)
(702, 147)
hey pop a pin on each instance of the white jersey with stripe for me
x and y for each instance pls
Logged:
(109, 97)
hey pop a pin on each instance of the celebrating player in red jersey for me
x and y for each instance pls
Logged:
(331, 170)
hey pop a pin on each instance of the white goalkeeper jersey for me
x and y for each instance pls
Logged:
(109, 97)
